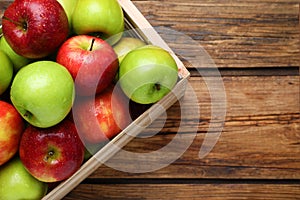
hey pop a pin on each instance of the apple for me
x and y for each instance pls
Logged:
(16, 183)
(52, 154)
(6, 72)
(101, 117)
(147, 74)
(68, 6)
(124, 46)
(35, 28)
(127, 44)
(99, 16)
(17, 60)
(11, 129)
(43, 93)
(91, 61)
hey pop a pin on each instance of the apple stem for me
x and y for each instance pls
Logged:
(157, 86)
(92, 44)
(23, 25)
(49, 155)
(27, 114)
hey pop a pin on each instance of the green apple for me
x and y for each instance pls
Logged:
(68, 6)
(147, 74)
(99, 16)
(17, 60)
(17, 183)
(43, 93)
(6, 72)
(127, 44)
(124, 46)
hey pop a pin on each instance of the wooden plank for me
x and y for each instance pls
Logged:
(264, 152)
(185, 191)
(260, 138)
(251, 95)
(247, 98)
(234, 33)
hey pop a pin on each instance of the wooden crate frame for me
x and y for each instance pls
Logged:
(143, 29)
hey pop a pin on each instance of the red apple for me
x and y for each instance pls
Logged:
(35, 28)
(102, 117)
(91, 61)
(11, 129)
(52, 154)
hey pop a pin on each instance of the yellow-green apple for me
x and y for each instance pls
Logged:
(101, 117)
(124, 46)
(43, 93)
(11, 129)
(68, 6)
(17, 60)
(35, 28)
(99, 16)
(6, 72)
(52, 154)
(16, 183)
(147, 74)
(91, 61)
(127, 44)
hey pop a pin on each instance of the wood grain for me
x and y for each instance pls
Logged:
(234, 33)
(255, 44)
(260, 138)
(186, 191)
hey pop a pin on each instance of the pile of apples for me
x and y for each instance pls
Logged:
(67, 75)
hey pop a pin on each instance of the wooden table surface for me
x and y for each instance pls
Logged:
(255, 46)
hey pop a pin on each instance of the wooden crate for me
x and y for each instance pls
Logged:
(134, 20)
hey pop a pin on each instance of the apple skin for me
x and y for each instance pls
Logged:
(147, 74)
(100, 118)
(99, 16)
(16, 183)
(6, 72)
(43, 93)
(17, 60)
(35, 28)
(124, 46)
(52, 154)
(68, 6)
(127, 44)
(92, 69)
(11, 129)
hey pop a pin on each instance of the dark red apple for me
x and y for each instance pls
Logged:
(35, 28)
(102, 117)
(91, 61)
(52, 154)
